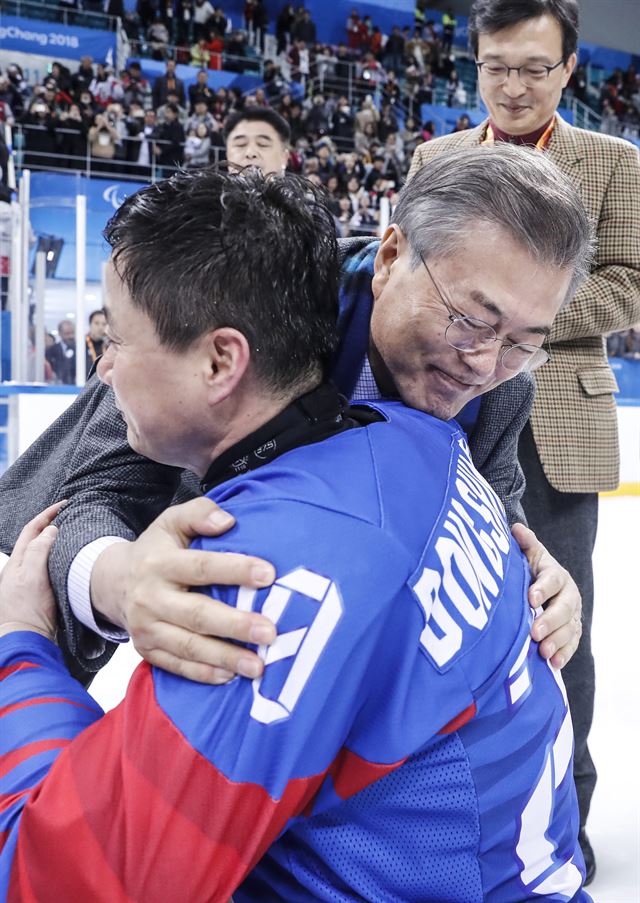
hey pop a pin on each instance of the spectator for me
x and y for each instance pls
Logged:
(40, 139)
(342, 124)
(367, 113)
(6, 220)
(202, 116)
(236, 51)
(375, 171)
(136, 87)
(169, 82)
(428, 130)
(350, 165)
(10, 97)
(158, 39)
(364, 221)
(284, 23)
(365, 138)
(202, 13)
(388, 124)
(102, 139)
(72, 137)
(452, 87)
(142, 126)
(20, 90)
(449, 23)
(410, 137)
(215, 47)
(296, 123)
(95, 339)
(218, 22)
(88, 108)
(326, 161)
(105, 88)
(172, 99)
(353, 30)
(6, 113)
(462, 124)
(197, 147)
(62, 355)
(304, 28)
(168, 142)
(393, 52)
(82, 77)
(200, 90)
(260, 25)
(317, 119)
(298, 59)
(391, 89)
(257, 137)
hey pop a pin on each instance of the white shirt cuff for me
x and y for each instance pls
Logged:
(79, 589)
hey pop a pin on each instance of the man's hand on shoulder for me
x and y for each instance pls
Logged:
(143, 586)
(26, 597)
(559, 629)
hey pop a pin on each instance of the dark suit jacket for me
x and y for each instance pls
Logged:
(84, 456)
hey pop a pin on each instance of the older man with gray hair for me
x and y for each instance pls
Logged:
(455, 338)
(405, 740)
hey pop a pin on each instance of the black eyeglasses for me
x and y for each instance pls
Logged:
(468, 334)
(530, 75)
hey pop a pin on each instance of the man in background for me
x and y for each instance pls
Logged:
(258, 137)
(525, 54)
(95, 338)
(62, 355)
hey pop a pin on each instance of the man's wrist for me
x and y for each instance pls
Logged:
(91, 591)
(104, 589)
(20, 626)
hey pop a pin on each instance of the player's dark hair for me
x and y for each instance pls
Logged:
(258, 114)
(210, 249)
(489, 16)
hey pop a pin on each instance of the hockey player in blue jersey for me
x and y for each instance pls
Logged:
(405, 741)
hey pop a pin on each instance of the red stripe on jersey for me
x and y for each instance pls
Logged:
(38, 700)
(16, 756)
(11, 669)
(460, 720)
(132, 811)
(351, 773)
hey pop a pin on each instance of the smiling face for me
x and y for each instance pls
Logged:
(489, 277)
(256, 143)
(160, 393)
(513, 107)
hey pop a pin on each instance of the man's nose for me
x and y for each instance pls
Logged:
(513, 87)
(485, 361)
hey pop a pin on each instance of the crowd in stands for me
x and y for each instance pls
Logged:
(625, 344)
(353, 110)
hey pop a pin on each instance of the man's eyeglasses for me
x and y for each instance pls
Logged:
(467, 334)
(530, 75)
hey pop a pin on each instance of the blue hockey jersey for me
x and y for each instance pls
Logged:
(406, 742)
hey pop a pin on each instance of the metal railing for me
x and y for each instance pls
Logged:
(90, 166)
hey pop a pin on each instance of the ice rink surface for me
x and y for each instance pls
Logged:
(614, 823)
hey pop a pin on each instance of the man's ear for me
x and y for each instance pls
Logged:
(568, 68)
(391, 245)
(229, 357)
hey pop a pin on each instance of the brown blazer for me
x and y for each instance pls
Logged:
(574, 415)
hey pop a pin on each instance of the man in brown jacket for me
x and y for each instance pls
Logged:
(525, 54)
